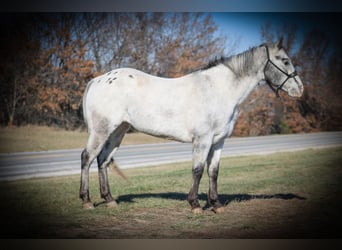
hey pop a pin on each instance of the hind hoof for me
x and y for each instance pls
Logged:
(197, 210)
(218, 210)
(88, 205)
(111, 204)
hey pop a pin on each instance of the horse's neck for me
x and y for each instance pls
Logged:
(247, 70)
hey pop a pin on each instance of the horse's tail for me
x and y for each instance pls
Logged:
(113, 166)
(85, 101)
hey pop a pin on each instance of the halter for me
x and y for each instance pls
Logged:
(277, 88)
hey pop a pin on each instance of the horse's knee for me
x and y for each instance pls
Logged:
(197, 170)
(213, 172)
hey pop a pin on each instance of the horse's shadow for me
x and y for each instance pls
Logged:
(224, 198)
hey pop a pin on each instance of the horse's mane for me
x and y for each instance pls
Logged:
(240, 64)
(214, 63)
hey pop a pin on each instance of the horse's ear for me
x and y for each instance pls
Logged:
(280, 43)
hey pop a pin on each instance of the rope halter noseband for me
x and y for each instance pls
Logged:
(288, 76)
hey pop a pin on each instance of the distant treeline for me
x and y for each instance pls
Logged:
(47, 59)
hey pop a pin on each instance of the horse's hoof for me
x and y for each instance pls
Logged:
(197, 210)
(88, 205)
(219, 210)
(111, 204)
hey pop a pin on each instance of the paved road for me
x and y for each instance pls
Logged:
(64, 162)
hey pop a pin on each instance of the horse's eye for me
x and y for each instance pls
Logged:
(286, 61)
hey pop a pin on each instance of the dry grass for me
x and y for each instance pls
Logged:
(37, 138)
(284, 195)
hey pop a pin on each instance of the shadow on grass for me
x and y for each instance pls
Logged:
(224, 198)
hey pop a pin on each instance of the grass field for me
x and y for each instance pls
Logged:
(283, 195)
(38, 138)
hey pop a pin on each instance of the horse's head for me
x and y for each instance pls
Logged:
(280, 73)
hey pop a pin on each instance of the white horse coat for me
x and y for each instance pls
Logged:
(180, 108)
(201, 107)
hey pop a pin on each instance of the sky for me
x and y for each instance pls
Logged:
(242, 27)
(245, 26)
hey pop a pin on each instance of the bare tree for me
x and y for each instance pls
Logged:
(19, 50)
(60, 52)
(188, 43)
(319, 64)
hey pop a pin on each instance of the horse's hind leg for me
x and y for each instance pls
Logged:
(105, 158)
(94, 146)
(104, 185)
(200, 152)
(84, 188)
(213, 170)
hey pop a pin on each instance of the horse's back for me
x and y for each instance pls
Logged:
(135, 85)
(176, 107)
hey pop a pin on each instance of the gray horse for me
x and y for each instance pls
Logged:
(201, 107)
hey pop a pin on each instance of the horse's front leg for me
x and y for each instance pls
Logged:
(199, 153)
(213, 170)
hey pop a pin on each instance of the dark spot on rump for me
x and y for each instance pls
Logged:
(110, 81)
(115, 72)
(130, 76)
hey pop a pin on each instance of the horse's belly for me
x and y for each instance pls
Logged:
(167, 123)
(162, 129)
